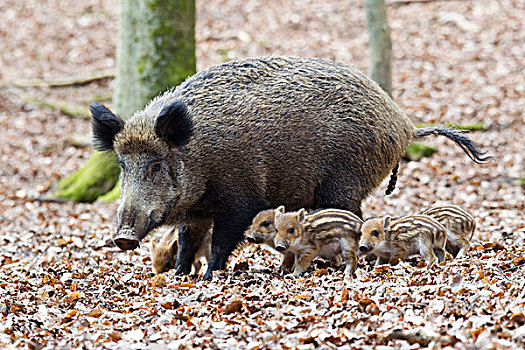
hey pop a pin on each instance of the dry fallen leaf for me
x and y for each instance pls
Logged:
(95, 313)
(159, 280)
(234, 306)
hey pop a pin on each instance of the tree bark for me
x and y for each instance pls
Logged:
(380, 44)
(155, 52)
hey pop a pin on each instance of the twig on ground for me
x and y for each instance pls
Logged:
(61, 82)
(66, 107)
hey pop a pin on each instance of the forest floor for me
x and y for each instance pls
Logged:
(63, 284)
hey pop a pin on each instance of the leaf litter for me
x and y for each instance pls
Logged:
(64, 285)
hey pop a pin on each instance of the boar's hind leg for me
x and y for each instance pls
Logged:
(190, 239)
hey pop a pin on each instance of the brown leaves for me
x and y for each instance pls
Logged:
(95, 313)
(234, 306)
(64, 284)
(71, 297)
(159, 280)
(368, 306)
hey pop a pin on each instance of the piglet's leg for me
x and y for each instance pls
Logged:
(336, 260)
(304, 261)
(288, 262)
(465, 246)
(381, 261)
(351, 263)
(349, 252)
(428, 254)
(397, 256)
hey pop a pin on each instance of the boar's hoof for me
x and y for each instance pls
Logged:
(207, 276)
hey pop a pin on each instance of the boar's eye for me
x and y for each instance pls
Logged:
(291, 230)
(265, 224)
(375, 233)
(155, 167)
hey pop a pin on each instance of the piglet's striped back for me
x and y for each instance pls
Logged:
(327, 220)
(408, 226)
(453, 217)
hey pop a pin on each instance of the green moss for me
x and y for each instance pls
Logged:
(417, 151)
(96, 177)
(472, 127)
(102, 97)
(112, 195)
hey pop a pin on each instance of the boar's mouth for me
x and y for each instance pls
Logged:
(127, 238)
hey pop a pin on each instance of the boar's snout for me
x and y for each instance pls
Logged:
(251, 239)
(126, 240)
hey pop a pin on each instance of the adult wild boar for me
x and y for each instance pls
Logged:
(249, 135)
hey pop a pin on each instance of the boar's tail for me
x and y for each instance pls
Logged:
(466, 144)
(393, 180)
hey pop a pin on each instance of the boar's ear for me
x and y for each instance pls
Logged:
(106, 126)
(301, 214)
(280, 209)
(386, 222)
(174, 124)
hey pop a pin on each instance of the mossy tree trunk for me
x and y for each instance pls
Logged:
(380, 44)
(155, 51)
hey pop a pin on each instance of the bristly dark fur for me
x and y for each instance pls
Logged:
(105, 126)
(393, 180)
(174, 124)
(466, 144)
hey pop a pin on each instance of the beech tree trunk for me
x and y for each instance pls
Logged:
(155, 52)
(380, 44)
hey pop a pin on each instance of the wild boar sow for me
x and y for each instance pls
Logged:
(249, 135)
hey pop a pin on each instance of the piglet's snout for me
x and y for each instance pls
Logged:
(280, 247)
(363, 248)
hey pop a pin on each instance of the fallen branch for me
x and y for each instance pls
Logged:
(419, 338)
(406, 2)
(66, 107)
(61, 82)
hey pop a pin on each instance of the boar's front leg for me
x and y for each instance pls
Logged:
(191, 237)
(228, 231)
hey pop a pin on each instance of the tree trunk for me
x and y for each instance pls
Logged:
(379, 43)
(155, 51)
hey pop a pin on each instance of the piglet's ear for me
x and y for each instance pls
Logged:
(280, 209)
(174, 124)
(386, 222)
(106, 126)
(301, 214)
(174, 246)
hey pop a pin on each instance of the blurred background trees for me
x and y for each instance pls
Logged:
(380, 44)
